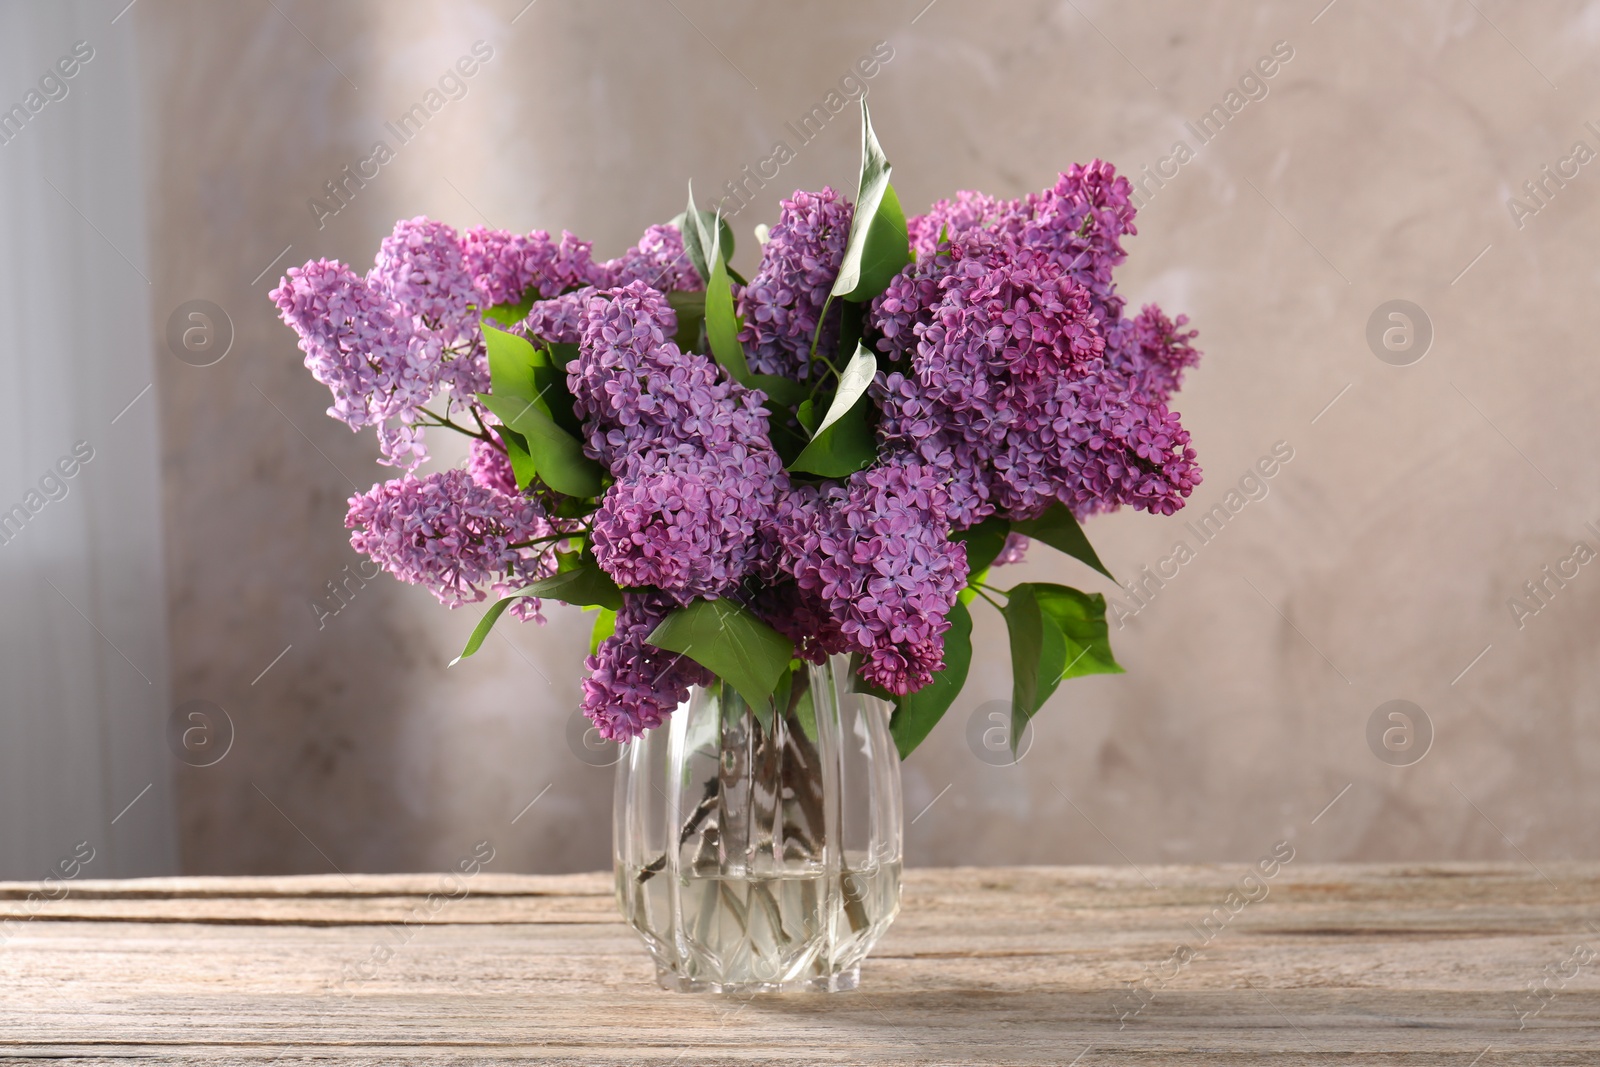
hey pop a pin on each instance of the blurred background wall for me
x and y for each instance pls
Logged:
(1424, 468)
(85, 779)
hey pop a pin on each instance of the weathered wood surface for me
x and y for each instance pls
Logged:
(1335, 965)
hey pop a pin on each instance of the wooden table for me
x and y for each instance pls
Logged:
(1339, 964)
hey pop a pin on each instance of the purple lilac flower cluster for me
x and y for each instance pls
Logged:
(1010, 381)
(783, 302)
(695, 475)
(459, 539)
(389, 343)
(876, 554)
(1019, 376)
(633, 685)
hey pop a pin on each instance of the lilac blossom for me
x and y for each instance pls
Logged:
(504, 266)
(696, 475)
(658, 260)
(1078, 223)
(361, 345)
(1014, 551)
(635, 390)
(558, 320)
(1153, 351)
(458, 539)
(489, 467)
(421, 269)
(783, 302)
(949, 218)
(876, 552)
(1008, 389)
(685, 520)
(633, 685)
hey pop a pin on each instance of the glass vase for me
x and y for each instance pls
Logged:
(760, 851)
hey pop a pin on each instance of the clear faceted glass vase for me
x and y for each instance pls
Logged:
(761, 853)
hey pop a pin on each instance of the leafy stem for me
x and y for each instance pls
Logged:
(552, 537)
(816, 337)
(447, 423)
(984, 591)
(482, 426)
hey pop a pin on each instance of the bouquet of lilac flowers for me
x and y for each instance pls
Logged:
(739, 476)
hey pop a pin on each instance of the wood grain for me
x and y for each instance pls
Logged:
(1334, 965)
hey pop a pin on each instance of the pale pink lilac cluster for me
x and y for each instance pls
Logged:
(489, 467)
(505, 265)
(359, 344)
(658, 261)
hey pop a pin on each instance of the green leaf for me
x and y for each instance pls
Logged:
(556, 454)
(1081, 617)
(921, 711)
(511, 314)
(480, 632)
(574, 507)
(969, 592)
(808, 415)
(779, 390)
(518, 370)
(843, 443)
(1038, 657)
(517, 452)
(851, 317)
(511, 362)
(783, 696)
(879, 247)
(605, 624)
(690, 307)
(786, 440)
(731, 642)
(841, 449)
(696, 227)
(722, 324)
(983, 543)
(853, 382)
(886, 250)
(584, 584)
(554, 398)
(1060, 530)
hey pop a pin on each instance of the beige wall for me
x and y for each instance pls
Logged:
(1378, 566)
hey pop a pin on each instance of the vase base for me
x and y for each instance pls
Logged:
(842, 982)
